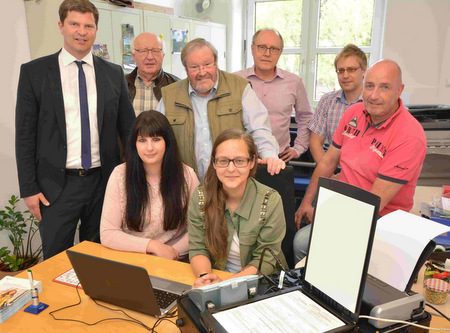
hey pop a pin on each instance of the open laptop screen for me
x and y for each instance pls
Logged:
(341, 241)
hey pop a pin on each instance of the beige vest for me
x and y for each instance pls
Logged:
(224, 111)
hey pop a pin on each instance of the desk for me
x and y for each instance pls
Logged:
(58, 295)
(437, 320)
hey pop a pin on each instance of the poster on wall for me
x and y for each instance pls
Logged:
(101, 51)
(127, 36)
(179, 40)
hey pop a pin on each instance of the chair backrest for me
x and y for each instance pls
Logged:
(283, 183)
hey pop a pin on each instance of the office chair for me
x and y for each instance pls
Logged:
(283, 183)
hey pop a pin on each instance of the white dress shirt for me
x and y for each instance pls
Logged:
(69, 83)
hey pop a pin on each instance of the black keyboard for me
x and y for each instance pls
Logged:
(164, 298)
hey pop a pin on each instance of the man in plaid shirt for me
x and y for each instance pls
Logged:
(147, 79)
(350, 65)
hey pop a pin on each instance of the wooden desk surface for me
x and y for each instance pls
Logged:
(58, 295)
(437, 321)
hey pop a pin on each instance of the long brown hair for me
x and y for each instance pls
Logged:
(216, 231)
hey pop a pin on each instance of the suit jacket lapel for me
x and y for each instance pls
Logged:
(100, 79)
(54, 79)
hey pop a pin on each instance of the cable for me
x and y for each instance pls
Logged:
(166, 317)
(273, 255)
(443, 315)
(405, 322)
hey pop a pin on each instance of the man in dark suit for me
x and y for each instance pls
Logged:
(70, 107)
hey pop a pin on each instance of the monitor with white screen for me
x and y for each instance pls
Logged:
(341, 241)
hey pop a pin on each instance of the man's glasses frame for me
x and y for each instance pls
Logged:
(146, 51)
(350, 70)
(195, 69)
(264, 48)
(239, 162)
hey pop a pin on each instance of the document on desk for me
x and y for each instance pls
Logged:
(400, 239)
(290, 312)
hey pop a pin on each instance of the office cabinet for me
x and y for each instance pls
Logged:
(45, 38)
(159, 24)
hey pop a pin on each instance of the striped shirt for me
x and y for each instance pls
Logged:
(145, 98)
(328, 112)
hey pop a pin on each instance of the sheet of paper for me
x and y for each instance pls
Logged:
(290, 312)
(400, 238)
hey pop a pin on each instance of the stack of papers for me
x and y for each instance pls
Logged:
(14, 294)
(400, 239)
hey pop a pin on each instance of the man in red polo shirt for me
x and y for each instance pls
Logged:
(379, 145)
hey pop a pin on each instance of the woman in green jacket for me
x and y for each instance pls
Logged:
(232, 217)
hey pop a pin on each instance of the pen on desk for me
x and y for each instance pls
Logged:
(30, 278)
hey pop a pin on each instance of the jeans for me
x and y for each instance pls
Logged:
(301, 241)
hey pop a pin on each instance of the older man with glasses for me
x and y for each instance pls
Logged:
(147, 79)
(209, 101)
(281, 92)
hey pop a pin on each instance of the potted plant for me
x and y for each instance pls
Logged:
(21, 228)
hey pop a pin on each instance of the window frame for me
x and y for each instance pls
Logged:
(309, 48)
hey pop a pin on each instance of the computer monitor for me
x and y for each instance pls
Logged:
(341, 242)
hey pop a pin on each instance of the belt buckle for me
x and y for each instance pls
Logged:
(82, 173)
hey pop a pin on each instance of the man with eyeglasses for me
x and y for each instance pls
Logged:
(379, 145)
(281, 92)
(350, 65)
(147, 79)
(209, 101)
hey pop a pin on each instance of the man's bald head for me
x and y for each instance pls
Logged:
(389, 66)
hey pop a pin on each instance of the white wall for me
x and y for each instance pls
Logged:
(418, 37)
(16, 51)
(228, 12)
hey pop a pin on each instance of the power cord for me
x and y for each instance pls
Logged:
(443, 315)
(275, 279)
(166, 317)
(404, 322)
(274, 256)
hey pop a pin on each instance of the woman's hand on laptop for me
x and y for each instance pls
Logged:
(162, 250)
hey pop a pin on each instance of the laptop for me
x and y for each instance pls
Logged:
(333, 281)
(125, 285)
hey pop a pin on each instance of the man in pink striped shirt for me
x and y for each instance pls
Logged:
(281, 92)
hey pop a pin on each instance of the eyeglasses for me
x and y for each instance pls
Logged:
(239, 162)
(349, 70)
(146, 51)
(196, 69)
(272, 50)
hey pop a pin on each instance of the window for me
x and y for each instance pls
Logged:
(314, 31)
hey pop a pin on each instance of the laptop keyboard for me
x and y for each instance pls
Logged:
(164, 298)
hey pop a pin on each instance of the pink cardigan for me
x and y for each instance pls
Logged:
(113, 230)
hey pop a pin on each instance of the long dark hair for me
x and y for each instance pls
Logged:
(172, 186)
(216, 230)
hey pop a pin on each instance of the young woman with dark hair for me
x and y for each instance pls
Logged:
(232, 217)
(147, 197)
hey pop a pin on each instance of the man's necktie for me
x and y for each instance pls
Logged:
(86, 161)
